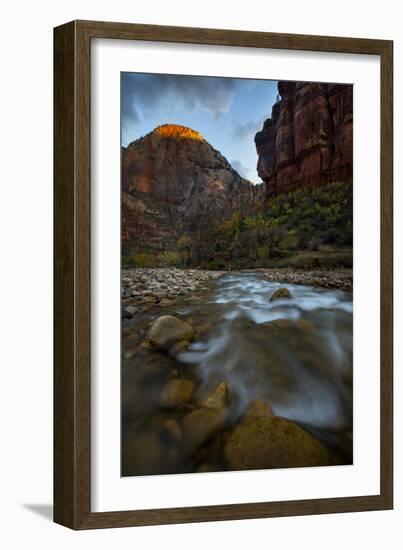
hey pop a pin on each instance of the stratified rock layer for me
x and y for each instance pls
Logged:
(308, 141)
(174, 182)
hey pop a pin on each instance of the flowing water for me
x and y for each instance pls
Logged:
(295, 354)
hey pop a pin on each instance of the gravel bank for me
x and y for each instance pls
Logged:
(341, 279)
(143, 288)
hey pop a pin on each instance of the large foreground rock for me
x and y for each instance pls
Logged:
(272, 442)
(168, 330)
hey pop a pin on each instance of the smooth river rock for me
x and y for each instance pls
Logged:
(167, 330)
(280, 293)
(129, 311)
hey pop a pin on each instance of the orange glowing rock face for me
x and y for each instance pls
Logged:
(175, 130)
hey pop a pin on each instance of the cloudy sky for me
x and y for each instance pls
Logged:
(226, 111)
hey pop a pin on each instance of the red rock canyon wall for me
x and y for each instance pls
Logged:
(308, 141)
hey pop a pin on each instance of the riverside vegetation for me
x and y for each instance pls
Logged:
(302, 229)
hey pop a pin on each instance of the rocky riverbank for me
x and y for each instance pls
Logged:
(341, 279)
(188, 428)
(237, 373)
(143, 288)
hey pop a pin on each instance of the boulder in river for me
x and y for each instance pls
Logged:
(167, 330)
(273, 442)
(280, 294)
(301, 339)
(176, 393)
(280, 325)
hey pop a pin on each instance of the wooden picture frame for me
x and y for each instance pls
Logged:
(72, 269)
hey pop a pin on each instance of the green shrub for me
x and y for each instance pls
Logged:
(168, 258)
(305, 228)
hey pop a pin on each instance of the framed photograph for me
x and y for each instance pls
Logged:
(223, 275)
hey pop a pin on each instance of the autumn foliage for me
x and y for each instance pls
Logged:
(175, 130)
(306, 228)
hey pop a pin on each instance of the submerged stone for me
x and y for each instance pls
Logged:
(176, 393)
(171, 431)
(129, 311)
(219, 398)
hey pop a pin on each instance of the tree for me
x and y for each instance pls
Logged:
(185, 244)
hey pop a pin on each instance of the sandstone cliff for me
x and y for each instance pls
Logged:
(308, 141)
(174, 182)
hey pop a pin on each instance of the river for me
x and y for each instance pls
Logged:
(294, 354)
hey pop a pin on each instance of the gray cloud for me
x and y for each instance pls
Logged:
(142, 93)
(240, 168)
(249, 129)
